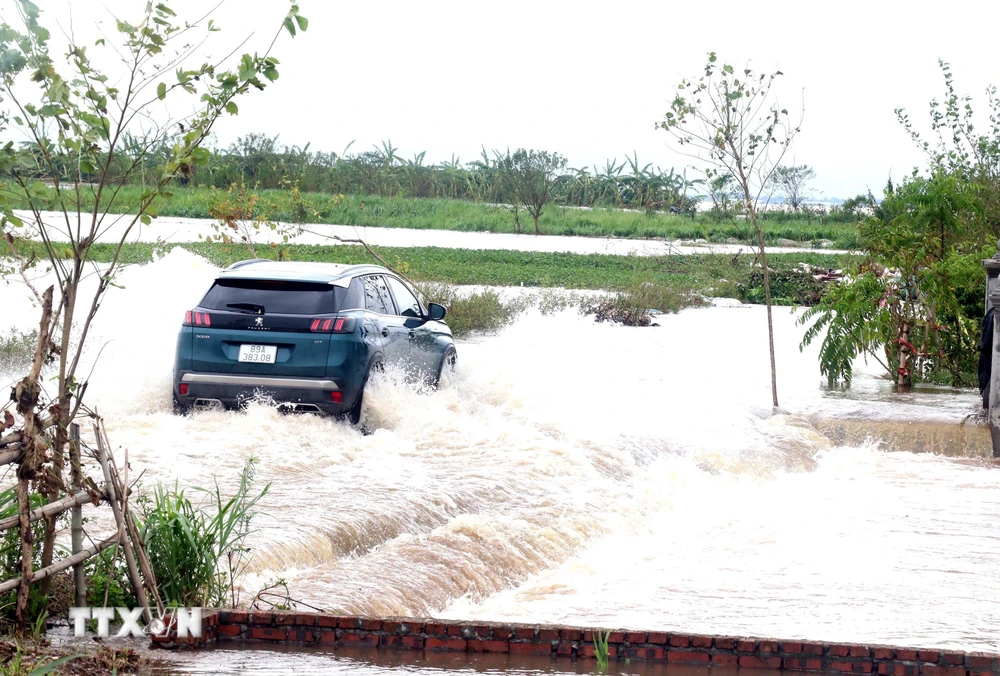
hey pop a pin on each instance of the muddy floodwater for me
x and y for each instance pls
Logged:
(582, 473)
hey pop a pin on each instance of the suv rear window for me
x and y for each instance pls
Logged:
(286, 298)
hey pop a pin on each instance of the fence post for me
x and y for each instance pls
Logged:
(992, 300)
(76, 527)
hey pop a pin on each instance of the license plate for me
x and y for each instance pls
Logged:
(258, 354)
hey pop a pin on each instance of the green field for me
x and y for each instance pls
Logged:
(704, 274)
(465, 215)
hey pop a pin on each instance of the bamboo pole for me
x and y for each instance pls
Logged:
(76, 518)
(123, 539)
(59, 566)
(50, 509)
(136, 539)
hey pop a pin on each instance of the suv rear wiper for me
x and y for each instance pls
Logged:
(251, 307)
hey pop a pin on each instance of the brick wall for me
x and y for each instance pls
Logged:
(578, 642)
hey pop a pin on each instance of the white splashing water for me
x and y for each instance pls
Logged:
(584, 473)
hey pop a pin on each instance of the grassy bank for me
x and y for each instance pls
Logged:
(708, 274)
(464, 215)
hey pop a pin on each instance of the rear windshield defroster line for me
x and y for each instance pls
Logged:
(276, 297)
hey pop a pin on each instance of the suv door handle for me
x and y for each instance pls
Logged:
(385, 331)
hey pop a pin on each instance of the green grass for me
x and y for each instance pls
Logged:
(463, 215)
(710, 274)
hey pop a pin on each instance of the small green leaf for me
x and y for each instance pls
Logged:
(289, 25)
(146, 220)
(232, 108)
(302, 22)
(271, 74)
(161, 90)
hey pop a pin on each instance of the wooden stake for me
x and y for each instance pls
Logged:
(123, 539)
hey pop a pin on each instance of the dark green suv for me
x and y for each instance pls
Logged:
(307, 335)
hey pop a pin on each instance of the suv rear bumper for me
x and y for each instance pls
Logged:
(234, 390)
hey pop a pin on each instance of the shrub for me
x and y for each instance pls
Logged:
(197, 555)
(473, 312)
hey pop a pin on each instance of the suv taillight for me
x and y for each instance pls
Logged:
(192, 318)
(332, 325)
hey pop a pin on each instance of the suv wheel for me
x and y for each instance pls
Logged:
(354, 415)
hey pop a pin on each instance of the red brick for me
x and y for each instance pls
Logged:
(268, 634)
(448, 644)
(349, 622)
(655, 654)
(679, 640)
(898, 669)
(981, 673)
(725, 643)
(503, 633)
(530, 648)
(768, 646)
(616, 637)
(754, 662)
(571, 634)
(354, 638)
(687, 657)
(884, 653)
(791, 647)
(229, 629)
(261, 619)
(550, 634)
(635, 636)
(210, 619)
(657, 637)
(839, 650)
(436, 629)
(952, 659)
(928, 655)
(860, 651)
(746, 646)
(980, 660)
(327, 637)
(587, 650)
(455, 630)
(391, 627)
(524, 632)
(302, 635)
(701, 641)
(239, 617)
(482, 631)
(722, 660)
(803, 663)
(494, 646)
(849, 667)
(303, 620)
(371, 625)
(564, 649)
(327, 621)
(284, 619)
(404, 642)
(906, 655)
(810, 648)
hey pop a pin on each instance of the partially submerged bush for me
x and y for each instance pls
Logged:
(476, 311)
(636, 304)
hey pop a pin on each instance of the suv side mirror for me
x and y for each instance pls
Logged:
(436, 312)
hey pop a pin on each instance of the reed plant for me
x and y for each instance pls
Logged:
(198, 553)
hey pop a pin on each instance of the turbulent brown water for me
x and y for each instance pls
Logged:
(593, 474)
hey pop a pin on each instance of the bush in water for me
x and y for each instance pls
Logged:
(477, 311)
(197, 555)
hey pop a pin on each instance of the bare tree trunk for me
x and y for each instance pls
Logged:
(537, 231)
(767, 301)
(904, 381)
(26, 393)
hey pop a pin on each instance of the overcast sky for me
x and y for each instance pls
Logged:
(589, 80)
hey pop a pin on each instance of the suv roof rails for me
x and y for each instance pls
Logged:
(240, 264)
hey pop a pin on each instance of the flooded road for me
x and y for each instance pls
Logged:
(590, 474)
